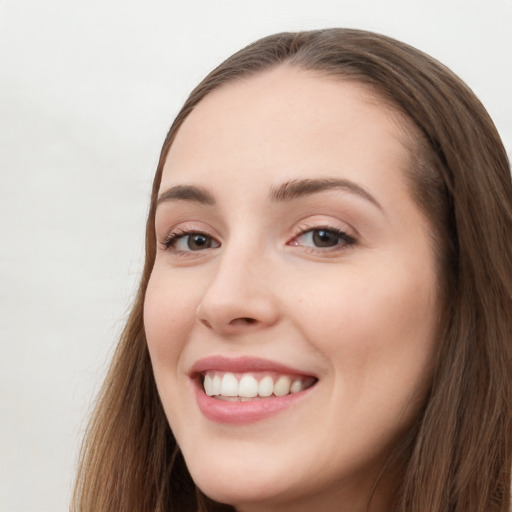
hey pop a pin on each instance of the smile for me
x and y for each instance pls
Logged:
(246, 389)
(252, 386)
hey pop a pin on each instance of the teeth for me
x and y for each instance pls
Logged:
(216, 385)
(282, 386)
(212, 385)
(266, 386)
(208, 386)
(247, 387)
(296, 386)
(229, 385)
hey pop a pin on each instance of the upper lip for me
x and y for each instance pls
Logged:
(244, 364)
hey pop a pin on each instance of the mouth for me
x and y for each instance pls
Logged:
(244, 390)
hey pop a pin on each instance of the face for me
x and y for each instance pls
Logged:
(291, 312)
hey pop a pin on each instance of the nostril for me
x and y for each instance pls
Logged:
(243, 320)
(235, 322)
(206, 323)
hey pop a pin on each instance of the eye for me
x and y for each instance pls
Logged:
(183, 241)
(323, 238)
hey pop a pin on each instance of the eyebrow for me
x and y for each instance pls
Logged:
(186, 193)
(303, 187)
(289, 190)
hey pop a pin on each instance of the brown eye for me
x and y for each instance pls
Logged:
(325, 238)
(182, 242)
(196, 242)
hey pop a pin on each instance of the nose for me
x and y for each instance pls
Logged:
(239, 297)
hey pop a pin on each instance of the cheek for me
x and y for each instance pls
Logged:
(377, 331)
(168, 318)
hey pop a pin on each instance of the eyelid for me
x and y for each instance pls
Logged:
(182, 230)
(179, 235)
(345, 234)
(323, 222)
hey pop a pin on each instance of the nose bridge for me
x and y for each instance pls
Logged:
(238, 294)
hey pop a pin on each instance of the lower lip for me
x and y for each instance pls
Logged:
(239, 413)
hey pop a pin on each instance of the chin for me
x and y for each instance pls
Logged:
(237, 488)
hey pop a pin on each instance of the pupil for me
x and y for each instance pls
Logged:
(196, 242)
(324, 238)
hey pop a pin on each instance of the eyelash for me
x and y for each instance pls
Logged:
(173, 237)
(344, 239)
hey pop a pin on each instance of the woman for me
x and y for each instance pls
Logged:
(324, 315)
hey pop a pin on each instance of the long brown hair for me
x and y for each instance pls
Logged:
(459, 452)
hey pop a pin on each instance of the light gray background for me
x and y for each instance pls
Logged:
(88, 89)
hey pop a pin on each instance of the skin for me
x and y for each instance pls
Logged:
(360, 316)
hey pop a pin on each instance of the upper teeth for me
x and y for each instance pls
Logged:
(247, 386)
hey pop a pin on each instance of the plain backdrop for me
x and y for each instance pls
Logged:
(88, 90)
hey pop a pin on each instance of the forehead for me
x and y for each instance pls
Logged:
(286, 121)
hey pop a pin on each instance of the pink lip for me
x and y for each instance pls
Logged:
(222, 411)
(242, 365)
